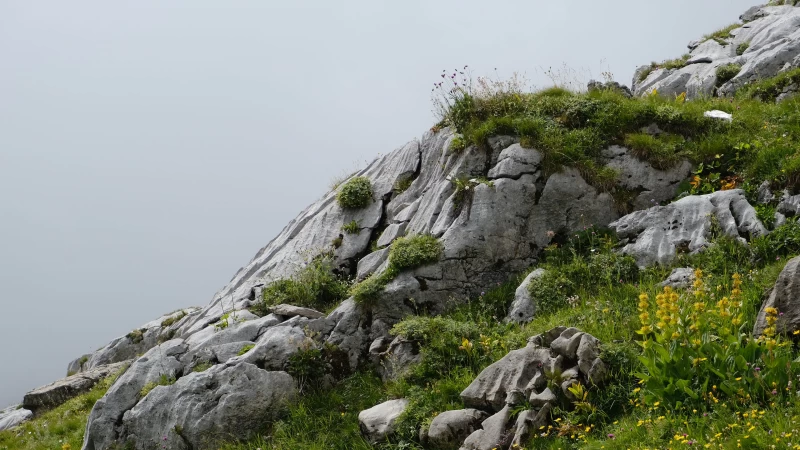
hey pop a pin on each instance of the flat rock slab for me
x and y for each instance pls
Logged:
(13, 416)
(292, 311)
(60, 391)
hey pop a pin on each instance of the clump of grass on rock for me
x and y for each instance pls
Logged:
(356, 193)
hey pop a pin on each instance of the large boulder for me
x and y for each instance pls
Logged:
(771, 36)
(60, 391)
(785, 297)
(654, 235)
(13, 416)
(523, 308)
(378, 423)
(202, 409)
(449, 429)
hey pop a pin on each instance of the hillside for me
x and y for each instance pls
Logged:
(615, 268)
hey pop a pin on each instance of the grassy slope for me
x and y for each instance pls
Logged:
(571, 129)
(60, 428)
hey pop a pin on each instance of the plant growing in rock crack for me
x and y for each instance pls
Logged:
(163, 380)
(355, 193)
(246, 349)
(313, 286)
(726, 73)
(405, 253)
(136, 336)
(351, 227)
(465, 186)
(169, 321)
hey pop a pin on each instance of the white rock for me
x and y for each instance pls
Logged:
(378, 423)
(717, 114)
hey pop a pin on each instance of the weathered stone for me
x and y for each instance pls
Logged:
(528, 422)
(160, 361)
(391, 233)
(398, 358)
(13, 416)
(292, 311)
(492, 434)
(764, 194)
(679, 278)
(542, 398)
(203, 408)
(523, 308)
(449, 429)
(515, 161)
(512, 372)
(351, 334)
(654, 185)
(588, 351)
(785, 297)
(370, 263)
(378, 423)
(656, 234)
(567, 343)
(58, 392)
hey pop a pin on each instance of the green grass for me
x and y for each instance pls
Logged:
(723, 34)
(768, 90)
(313, 286)
(62, 425)
(726, 73)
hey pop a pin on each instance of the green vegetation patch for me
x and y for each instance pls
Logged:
(356, 193)
(313, 286)
(769, 89)
(726, 73)
(164, 380)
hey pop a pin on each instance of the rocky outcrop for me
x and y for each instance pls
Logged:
(449, 429)
(555, 360)
(378, 423)
(785, 297)
(13, 416)
(679, 278)
(655, 235)
(766, 43)
(204, 408)
(137, 342)
(523, 308)
(58, 392)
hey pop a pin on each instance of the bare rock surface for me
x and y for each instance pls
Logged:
(449, 429)
(655, 235)
(13, 416)
(772, 35)
(378, 423)
(785, 297)
(60, 391)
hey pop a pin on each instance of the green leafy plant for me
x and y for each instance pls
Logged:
(413, 251)
(223, 322)
(313, 286)
(351, 227)
(356, 193)
(696, 352)
(741, 48)
(662, 151)
(726, 73)
(458, 143)
(246, 349)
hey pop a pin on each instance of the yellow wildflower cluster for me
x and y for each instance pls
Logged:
(768, 338)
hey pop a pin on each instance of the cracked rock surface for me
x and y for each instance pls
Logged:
(773, 37)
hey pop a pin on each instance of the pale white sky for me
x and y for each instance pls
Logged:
(148, 149)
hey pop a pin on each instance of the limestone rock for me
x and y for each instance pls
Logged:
(60, 391)
(398, 358)
(654, 185)
(370, 263)
(204, 407)
(13, 416)
(449, 429)
(538, 400)
(529, 422)
(391, 233)
(492, 434)
(785, 297)
(656, 234)
(378, 423)
(515, 161)
(292, 311)
(773, 37)
(523, 308)
(679, 278)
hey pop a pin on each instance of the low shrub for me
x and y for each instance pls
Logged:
(741, 48)
(356, 193)
(246, 349)
(313, 286)
(726, 73)
(413, 251)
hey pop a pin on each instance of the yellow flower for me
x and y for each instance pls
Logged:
(66, 446)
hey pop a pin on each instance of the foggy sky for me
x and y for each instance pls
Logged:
(148, 149)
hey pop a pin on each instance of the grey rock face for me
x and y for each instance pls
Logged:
(492, 434)
(371, 263)
(789, 205)
(204, 408)
(773, 36)
(449, 429)
(680, 278)
(289, 311)
(60, 391)
(654, 186)
(378, 423)
(523, 308)
(398, 358)
(13, 416)
(785, 297)
(391, 233)
(656, 234)
(103, 427)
